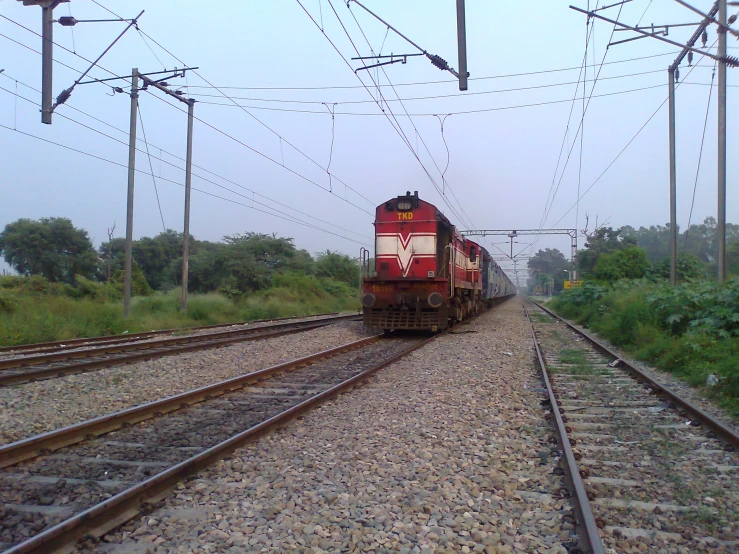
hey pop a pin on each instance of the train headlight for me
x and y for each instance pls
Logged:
(368, 300)
(435, 299)
(404, 206)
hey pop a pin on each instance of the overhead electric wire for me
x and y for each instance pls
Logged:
(445, 81)
(243, 108)
(434, 114)
(434, 97)
(399, 128)
(67, 147)
(418, 134)
(700, 157)
(622, 150)
(564, 137)
(151, 166)
(208, 124)
(582, 122)
(182, 159)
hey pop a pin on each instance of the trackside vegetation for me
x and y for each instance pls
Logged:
(691, 330)
(65, 288)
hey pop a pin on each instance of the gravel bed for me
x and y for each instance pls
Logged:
(445, 451)
(692, 394)
(34, 408)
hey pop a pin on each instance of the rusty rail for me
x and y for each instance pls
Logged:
(112, 339)
(146, 351)
(126, 505)
(729, 434)
(587, 518)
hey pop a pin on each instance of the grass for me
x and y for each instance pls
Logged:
(691, 331)
(576, 360)
(49, 315)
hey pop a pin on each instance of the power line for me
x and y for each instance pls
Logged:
(469, 221)
(622, 150)
(504, 76)
(215, 128)
(179, 158)
(434, 114)
(700, 157)
(580, 127)
(397, 129)
(434, 97)
(151, 166)
(306, 156)
(100, 158)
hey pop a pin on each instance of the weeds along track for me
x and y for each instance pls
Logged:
(37, 365)
(71, 344)
(657, 474)
(88, 478)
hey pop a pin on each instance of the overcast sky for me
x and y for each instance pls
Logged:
(502, 153)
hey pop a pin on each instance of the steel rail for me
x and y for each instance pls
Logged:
(16, 452)
(149, 352)
(72, 343)
(728, 433)
(111, 513)
(587, 518)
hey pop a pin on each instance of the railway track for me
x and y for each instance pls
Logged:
(45, 365)
(649, 471)
(88, 478)
(70, 344)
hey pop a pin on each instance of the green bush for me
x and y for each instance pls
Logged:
(691, 330)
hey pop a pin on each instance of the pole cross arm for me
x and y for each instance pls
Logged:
(728, 60)
(710, 17)
(518, 232)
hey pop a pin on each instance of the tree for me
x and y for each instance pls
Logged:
(602, 241)
(51, 247)
(546, 265)
(627, 263)
(337, 266)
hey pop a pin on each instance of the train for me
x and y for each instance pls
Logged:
(426, 276)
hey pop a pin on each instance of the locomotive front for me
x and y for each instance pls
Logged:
(409, 287)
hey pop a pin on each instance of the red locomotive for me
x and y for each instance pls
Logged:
(427, 275)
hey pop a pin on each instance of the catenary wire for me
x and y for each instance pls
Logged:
(446, 81)
(434, 114)
(444, 182)
(67, 147)
(199, 119)
(399, 128)
(283, 139)
(182, 159)
(700, 157)
(608, 167)
(434, 97)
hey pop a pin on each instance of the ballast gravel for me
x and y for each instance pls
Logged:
(445, 451)
(34, 408)
(698, 396)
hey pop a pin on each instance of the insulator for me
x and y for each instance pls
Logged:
(439, 62)
(64, 96)
(731, 61)
(677, 74)
(690, 58)
(67, 21)
(704, 37)
(732, 19)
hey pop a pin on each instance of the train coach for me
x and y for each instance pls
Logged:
(427, 276)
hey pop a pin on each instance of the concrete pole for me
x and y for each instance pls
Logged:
(673, 181)
(47, 62)
(188, 181)
(462, 45)
(721, 143)
(129, 204)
